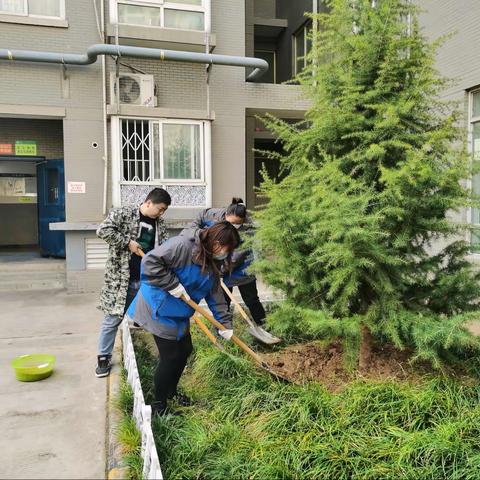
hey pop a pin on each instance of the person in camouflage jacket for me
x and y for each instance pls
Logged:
(126, 230)
(117, 230)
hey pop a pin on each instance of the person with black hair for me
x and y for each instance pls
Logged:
(189, 266)
(126, 230)
(236, 213)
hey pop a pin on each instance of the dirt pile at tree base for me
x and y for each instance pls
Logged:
(314, 362)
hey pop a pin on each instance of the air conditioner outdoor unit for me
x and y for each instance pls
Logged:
(135, 89)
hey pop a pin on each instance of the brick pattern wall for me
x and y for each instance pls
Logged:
(457, 58)
(47, 133)
(178, 85)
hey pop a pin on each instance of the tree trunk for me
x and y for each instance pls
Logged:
(365, 348)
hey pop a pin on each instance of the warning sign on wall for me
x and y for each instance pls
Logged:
(76, 187)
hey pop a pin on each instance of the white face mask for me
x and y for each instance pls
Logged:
(237, 225)
(220, 256)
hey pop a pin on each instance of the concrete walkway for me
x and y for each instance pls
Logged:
(55, 428)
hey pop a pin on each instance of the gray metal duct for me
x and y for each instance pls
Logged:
(260, 66)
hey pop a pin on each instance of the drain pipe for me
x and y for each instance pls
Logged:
(260, 66)
(104, 106)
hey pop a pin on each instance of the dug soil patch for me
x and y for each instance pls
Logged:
(314, 362)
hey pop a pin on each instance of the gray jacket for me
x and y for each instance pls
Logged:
(241, 258)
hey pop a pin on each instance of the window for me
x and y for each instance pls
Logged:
(177, 14)
(138, 15)
(162, 150)
(181, 152)
(269, 56)
(34, 8)
(475, 138)
(302, 44)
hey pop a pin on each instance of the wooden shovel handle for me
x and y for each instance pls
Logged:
(218, 325)
(237, 305)
(205, 329)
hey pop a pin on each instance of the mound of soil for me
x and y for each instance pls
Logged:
(315, 362)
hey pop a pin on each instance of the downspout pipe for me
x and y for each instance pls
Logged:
(260, 66)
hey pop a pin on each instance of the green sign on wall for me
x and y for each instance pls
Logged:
(26, 147)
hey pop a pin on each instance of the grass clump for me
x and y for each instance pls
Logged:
(127, 433)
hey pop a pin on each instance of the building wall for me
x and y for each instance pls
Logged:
(265, 8)
(30, 84)
(457, 57)
(47, 133)
(231, 97)
(180, 86)
(183, 86)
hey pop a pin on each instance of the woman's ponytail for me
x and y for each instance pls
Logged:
(237, 208)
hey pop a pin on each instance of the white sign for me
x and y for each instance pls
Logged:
(76, 187)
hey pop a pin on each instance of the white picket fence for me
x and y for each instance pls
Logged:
(141, 412)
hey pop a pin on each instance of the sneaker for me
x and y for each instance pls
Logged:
(103, 366)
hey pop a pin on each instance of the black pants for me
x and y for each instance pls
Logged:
(249, 295)
(173, 358)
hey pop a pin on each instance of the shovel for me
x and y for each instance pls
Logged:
(255, 330)
(234, 339)
(219, 326)
(208, 333)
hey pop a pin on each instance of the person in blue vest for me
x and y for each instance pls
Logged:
(236, 214)
(190, 266)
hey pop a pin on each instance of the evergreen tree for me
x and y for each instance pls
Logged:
(350, 229)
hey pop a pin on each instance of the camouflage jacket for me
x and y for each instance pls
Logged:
(117, 230)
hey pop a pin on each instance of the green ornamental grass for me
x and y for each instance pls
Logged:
(127, 433)
(247, 425)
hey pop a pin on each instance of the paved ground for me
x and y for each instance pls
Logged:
(54, 428)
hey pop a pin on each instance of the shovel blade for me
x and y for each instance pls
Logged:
(263, 336)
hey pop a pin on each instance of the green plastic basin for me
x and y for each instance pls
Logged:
(30, 368)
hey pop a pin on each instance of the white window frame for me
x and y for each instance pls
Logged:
(26, 14)
(162, 5)
(117, 160)
(185, 181)
(305, 27)
(471, 121)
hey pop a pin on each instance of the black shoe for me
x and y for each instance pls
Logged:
(182, 400)
(160, 409)
(103, 366)
(260, 322)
